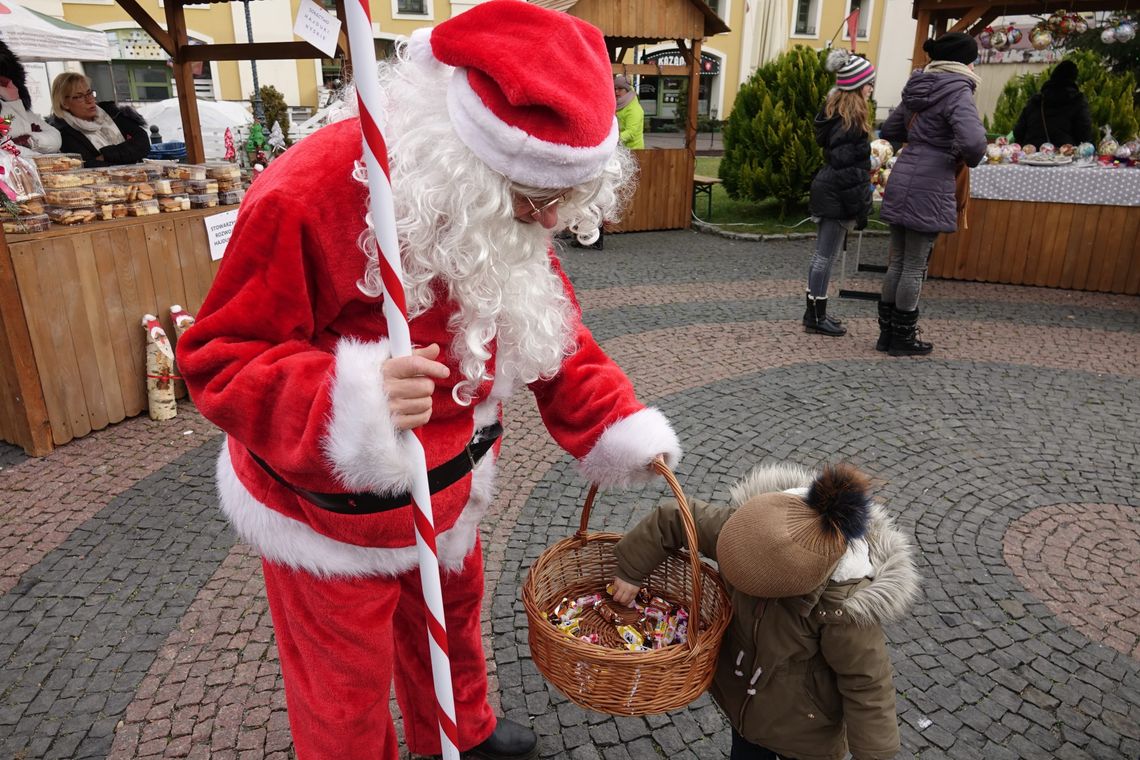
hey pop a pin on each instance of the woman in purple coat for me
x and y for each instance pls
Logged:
(939, 123)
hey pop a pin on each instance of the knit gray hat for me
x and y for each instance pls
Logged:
(851, 71)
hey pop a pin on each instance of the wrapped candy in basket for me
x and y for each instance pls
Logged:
(657, 656)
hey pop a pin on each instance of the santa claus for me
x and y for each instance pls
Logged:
(500, 129)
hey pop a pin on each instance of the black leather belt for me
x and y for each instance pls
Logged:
(439, 478)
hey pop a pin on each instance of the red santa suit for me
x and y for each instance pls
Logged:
(286, 357)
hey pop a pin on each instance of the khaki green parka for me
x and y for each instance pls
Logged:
(807, 677)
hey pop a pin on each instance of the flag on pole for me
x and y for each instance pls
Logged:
(853, 27)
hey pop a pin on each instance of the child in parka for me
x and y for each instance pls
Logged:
(814, 569)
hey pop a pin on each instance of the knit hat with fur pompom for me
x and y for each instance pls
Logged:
(781, 545)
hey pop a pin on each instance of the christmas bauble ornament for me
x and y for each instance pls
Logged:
(993, 153)
(984, 40)
(1003, 140)
(1122, 153)
(875, 164)
(1080, 26)
(882, 150)
(1125, 32)
(1040, 38)
(1108, 35)
(999, 40)
(1086, 151)
(1066, 150)
(1029, 150)
(1006, 154)
(1013, 35)
(1046, 149)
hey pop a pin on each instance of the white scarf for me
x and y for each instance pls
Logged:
(952, 67)
(101, 131)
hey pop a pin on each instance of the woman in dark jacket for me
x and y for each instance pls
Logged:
(104, 134)
(939, 123)
(1059, 114)
(841, 190)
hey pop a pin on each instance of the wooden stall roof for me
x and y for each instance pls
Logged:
(644, 22)
(972, 16)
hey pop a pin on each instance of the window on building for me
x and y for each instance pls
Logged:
(411, 7)
(715, 6)
(807, 12)
(864, 8)
(131, 81)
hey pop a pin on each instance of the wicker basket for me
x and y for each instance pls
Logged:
(611, 680)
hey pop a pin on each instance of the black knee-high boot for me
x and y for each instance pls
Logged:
(904, 335)
(884, 341)
(817, 321)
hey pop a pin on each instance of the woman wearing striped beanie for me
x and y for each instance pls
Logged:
(841, 190)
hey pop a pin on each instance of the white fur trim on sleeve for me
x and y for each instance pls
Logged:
(622, 455)
(363, 446)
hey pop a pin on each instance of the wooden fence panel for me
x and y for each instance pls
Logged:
(664, 192)
(1062, 245)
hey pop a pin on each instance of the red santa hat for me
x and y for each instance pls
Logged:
(532, 96)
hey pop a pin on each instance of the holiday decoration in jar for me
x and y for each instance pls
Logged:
(1108, 144)
(993, 153)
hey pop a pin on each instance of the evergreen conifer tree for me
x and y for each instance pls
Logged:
(769, 139)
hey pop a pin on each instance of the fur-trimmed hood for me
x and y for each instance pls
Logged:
(885, 556)
(11, 67)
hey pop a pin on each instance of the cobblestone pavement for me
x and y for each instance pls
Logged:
(132, 625)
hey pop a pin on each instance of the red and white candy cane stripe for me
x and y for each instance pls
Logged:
(382, 210)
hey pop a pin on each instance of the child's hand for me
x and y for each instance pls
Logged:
(624, 593)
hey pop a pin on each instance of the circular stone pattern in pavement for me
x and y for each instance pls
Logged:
(1080, 560)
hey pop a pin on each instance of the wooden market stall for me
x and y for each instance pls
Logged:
(72, 298)
(1055, 237)
(664, 196)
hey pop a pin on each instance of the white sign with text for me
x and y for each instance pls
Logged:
(218, 229)
(318, 27)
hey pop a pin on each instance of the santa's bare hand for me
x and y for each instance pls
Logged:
(409, 382)
(624, 593)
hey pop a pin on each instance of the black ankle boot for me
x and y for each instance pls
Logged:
(817, 321)
(509, 741)
(904, 335)
(884, 341)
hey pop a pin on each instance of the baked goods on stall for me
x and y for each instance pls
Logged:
(169, 203)
(24, 225)
(202, 186)
(167, 186)
(72, 216)
(230, 197)
(69, 197)
(109, 211)
(58, 162)
(30, 206)
(142, 208)
(206, 200)
(186, 171)
(72, 178)
(140, 191)
(128, 174)
(223, 171)
(109, 193)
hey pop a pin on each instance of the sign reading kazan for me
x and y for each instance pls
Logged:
(710, 65)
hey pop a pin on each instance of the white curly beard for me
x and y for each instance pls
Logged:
(456, 225)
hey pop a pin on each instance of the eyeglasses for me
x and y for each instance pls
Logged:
(89, 95)
(537, 207)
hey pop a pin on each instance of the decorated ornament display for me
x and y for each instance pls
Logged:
(1086, 151)
(993, 153)
(1046, 149)
(1108, 144)
(999, 40)
(882, 150)
(1125, 31)
(277, 138)
(1012, 35)
(1108, 35)
(1040, 37)
(231, 154)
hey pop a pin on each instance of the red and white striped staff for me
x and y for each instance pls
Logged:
(382, 209)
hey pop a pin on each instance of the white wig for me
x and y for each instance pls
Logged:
(455, 219)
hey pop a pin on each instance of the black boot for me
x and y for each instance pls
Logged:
(817, 321)
(884, 341)
(509, 741)
(904, 335)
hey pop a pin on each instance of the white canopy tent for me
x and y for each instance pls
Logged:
(34, 36)
(214, 117)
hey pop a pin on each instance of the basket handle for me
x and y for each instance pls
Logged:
(690, 538)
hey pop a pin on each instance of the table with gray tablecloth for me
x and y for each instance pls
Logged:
(1095, 185)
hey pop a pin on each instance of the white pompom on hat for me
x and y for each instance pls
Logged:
(533, 92)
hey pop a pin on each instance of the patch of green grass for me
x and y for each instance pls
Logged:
(760, 217)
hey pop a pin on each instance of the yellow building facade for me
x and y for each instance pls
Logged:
(139, 71)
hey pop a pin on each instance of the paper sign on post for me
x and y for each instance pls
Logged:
(218, 229)
(318, 27)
